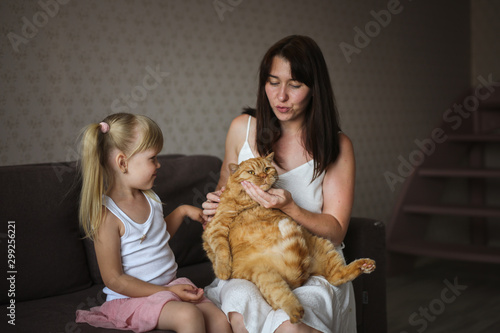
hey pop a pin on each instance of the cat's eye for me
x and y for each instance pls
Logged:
(251, 172)
(266, 170)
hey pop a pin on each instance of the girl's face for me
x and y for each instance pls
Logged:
(288, 98)
(142, 169)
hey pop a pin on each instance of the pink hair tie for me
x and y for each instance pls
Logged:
(104, 127)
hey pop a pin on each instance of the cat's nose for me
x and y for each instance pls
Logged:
(262, 175)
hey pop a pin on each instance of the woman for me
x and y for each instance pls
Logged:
(296, 119)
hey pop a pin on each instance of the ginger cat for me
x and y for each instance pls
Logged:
(247, 241)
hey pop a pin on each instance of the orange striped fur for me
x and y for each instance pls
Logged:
(247, 241)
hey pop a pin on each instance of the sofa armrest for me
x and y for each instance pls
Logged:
(365, 238)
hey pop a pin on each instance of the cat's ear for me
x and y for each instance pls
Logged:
(270, 157)
(233, 167)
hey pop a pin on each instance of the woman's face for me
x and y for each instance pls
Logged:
(288, 98)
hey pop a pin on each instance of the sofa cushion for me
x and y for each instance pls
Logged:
(41, 201)
(186, 180)
(57, 314)
(365, 238)
(187, 244)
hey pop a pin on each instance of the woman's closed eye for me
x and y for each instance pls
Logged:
(295, 84)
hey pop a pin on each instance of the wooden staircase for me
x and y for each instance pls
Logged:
(449, 206)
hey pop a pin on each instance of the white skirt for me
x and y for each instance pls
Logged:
(327, 308)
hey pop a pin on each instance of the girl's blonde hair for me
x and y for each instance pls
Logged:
(128, 133)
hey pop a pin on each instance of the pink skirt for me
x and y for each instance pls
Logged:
(139, 314)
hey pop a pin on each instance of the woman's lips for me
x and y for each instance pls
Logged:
(282, 109)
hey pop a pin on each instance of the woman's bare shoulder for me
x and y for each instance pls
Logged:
(239, 123)
(345, 143)
(237, 132)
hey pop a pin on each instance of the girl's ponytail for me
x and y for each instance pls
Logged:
(92, 169)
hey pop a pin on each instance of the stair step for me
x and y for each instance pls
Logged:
(460, 172)
(425, 199)
(447, 250)
(474, 137)
(495, 107)
(454, 210)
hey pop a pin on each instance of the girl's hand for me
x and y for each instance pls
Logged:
(274, 198)
(176, 217)
(194, 213)
(210, 206)
(187, 292)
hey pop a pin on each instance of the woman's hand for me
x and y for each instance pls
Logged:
(210, 206)
(186, 292)
(273, 198)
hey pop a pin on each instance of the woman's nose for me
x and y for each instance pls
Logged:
(282, 95)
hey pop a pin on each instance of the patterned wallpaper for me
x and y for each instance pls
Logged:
(192, 65)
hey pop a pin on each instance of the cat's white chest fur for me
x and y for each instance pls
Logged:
(287, 227)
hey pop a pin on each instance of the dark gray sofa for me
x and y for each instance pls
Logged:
(51, 271)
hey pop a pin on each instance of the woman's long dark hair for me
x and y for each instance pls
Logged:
(321, 126)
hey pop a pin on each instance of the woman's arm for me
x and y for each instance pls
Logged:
(338, 195)
(338, 189)
(234, 141)
(107, 247)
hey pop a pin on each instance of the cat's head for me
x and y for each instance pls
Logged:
(258, 170)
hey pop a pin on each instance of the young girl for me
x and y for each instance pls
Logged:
(124, 217)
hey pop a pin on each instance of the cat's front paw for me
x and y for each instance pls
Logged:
(367, 266)
(295, 314)
(222, 270)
